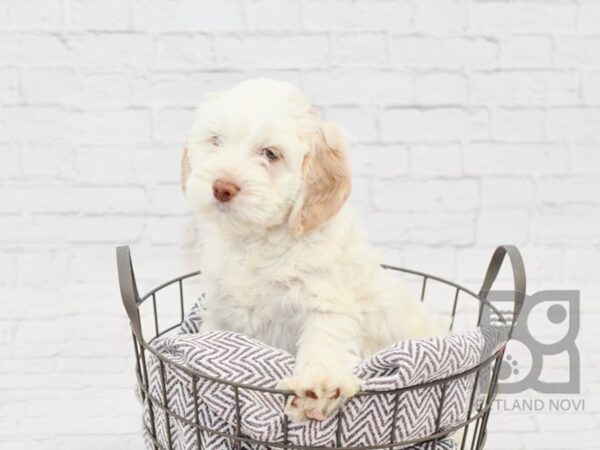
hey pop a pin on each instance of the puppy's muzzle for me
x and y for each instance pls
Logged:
(224, 191)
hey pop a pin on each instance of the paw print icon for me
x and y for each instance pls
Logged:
(542, 354)
(509, 367)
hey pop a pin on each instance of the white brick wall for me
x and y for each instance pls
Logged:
(472, 123)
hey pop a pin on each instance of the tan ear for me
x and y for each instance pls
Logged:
(185, 168)
(326, 182)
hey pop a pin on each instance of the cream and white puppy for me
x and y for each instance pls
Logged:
(284, 260)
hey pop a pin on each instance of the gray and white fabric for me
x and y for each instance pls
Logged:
(365, 420)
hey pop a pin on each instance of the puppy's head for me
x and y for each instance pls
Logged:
(259, 157)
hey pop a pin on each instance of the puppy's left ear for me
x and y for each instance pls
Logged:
(185, 168)
(326, 181)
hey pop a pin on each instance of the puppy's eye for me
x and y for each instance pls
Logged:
(270, 153)
(216, 140)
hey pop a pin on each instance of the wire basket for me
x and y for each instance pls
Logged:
(470, 433)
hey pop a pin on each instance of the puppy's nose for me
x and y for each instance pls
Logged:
(224, 190)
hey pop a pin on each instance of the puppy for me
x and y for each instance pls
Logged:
(285, 261)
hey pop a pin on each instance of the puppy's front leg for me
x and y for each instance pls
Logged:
(323, 379)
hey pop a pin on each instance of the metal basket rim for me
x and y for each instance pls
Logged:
(147, 345)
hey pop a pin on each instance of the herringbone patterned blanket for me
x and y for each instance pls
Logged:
(365, 420)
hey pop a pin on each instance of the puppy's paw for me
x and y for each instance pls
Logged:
(318, 396)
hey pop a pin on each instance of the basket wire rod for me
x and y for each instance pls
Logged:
(397, 445)
(146, 387)
(166, 330)
(448, 283)
(480, 424)
(156, 327)
(438, 419)
(148, 294)
(394, 419)
(423, 288)
(476, 430)
(285, 419)
(453, 315)
(166, 402)
(338, 431)
(482, 431)
(470, 410)
(477, 297)
(138, 370)
(196, 416)
(491, 394)
(181, 307)
(428, 275)
(157, 445)
(238, 418)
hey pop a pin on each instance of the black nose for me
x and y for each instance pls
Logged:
(225, 190)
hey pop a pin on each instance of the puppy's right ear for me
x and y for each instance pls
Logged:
(185, 168)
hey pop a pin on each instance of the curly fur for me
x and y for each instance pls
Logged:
(285, 261)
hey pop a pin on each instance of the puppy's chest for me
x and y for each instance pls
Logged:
(259, 301)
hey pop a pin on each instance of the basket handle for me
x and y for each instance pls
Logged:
(128, 286)
(519, 278)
